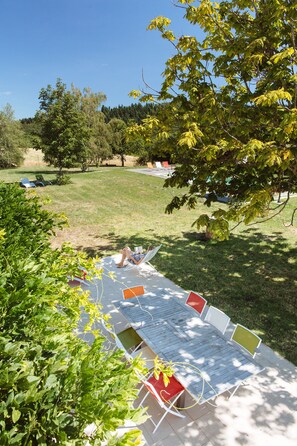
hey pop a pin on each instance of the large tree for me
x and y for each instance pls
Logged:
(12, 139)
(64, 131)
(98, 145)
(118, 140)
(230, 113)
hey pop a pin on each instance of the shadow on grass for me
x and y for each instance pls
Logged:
(252, 277)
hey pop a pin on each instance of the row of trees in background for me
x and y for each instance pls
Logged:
(130, 113)
(72, 129)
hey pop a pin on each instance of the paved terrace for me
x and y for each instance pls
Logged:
(263, 412)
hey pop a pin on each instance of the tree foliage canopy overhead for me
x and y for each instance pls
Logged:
(229, 117)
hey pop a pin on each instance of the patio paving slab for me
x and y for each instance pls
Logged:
(264, 411)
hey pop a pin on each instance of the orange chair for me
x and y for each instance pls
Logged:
(134, 291)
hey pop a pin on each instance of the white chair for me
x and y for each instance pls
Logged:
(217, 318)
(159, 165)
(146, 259)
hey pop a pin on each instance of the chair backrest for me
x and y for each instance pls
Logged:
(196, 301)
(150, 254)
(161, 392)
(39, 177)
(165, 164)
(25, 180)
(134, 291)
(158, 165)
(217, 318)
(246, 339)
(150, 165)
(147, 258)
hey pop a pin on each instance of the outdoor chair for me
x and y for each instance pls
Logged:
(246, 339)
(135, 291)
(150, 165)
(81, 278)
(166, 165)
(196, 301)
(166, 396)
(25, 182)
(159, 165)
(250, 343)
(146, 259)
(129, 341)
(217, 318)
(42, 182)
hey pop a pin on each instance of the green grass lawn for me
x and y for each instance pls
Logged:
(252, 276)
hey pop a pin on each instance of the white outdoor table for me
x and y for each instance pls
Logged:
(204, 361)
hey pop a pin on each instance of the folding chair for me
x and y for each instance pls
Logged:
(80, 279)
(167, 165)
(217, 318)
(163, 395)
(159, 165)
(134, 291)
(246, 339)
(146, 259)
(196, 301)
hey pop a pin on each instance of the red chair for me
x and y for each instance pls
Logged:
(163, 395)
(196, 301)
(80, 279)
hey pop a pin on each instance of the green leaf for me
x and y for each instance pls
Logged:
(15, 415)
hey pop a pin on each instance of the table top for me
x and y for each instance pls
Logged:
(204, 361)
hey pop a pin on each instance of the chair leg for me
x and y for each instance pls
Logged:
(233, 392)
(145, 396)
(168, 410)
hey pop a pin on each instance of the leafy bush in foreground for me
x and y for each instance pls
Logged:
(52, 383)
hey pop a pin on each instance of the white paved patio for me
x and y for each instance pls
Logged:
(264, 412)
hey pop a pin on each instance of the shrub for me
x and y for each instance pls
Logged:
(52, 383)
(62, 179)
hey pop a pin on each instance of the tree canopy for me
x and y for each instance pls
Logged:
(12, 139)
(64, 130)
(229, 115)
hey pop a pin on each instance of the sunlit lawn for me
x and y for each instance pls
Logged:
(252, 276)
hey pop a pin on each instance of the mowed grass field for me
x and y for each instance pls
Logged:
(252, 276)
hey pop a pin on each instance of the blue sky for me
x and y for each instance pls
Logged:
(101, 44)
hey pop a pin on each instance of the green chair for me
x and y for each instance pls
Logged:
(246, 339)
(128, 339)
(40, 179)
